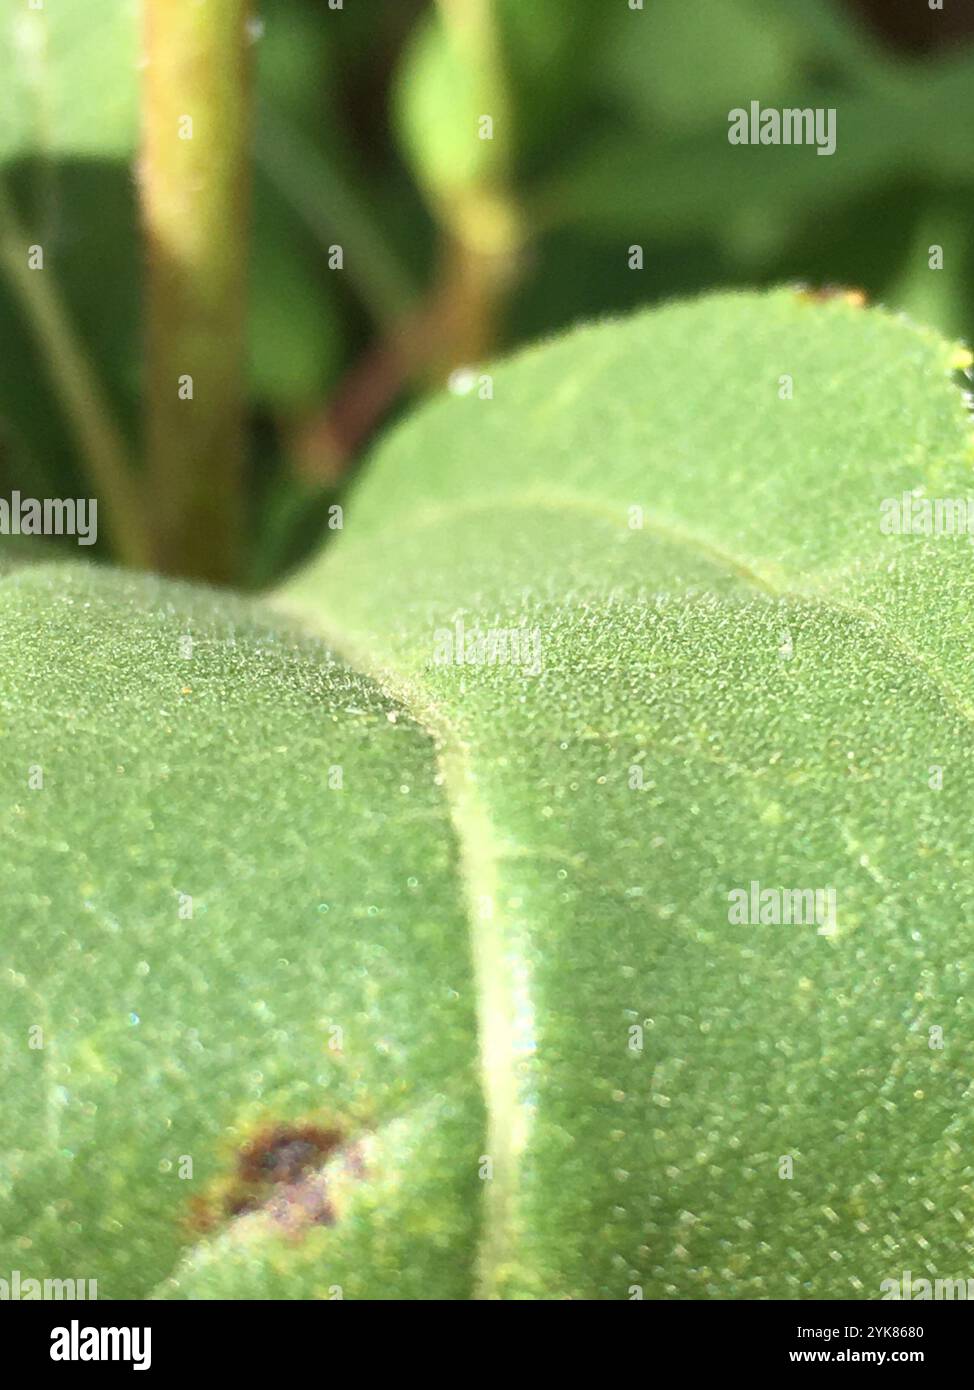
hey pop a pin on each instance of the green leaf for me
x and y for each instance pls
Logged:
(294, 328)
(648, 185)
(660, 164)
(446, 86)
(785, 677)
(470, 59)
(68, 78)
(211, 776)
(686, 66)
(507, 901)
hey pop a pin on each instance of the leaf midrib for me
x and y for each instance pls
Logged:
(490, 952)
(479, 845)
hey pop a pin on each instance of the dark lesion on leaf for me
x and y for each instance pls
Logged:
(279, 1174)
(286, 1153)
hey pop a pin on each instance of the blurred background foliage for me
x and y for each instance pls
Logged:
(610, 130)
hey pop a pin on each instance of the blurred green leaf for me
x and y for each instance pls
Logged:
(450, 79)
(682, 67)
(628, 182)
(520, 65)
(68, 78)
(68, 106)
(295, 328)
(929, 294)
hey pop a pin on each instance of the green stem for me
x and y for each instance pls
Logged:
(100, 443)
(194, 178)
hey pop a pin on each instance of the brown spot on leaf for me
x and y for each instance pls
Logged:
(286, 1153)
(277, 1175)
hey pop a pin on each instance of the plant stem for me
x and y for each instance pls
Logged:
(100, 443)
(194, 178)
(482, 235)
(452, 328)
